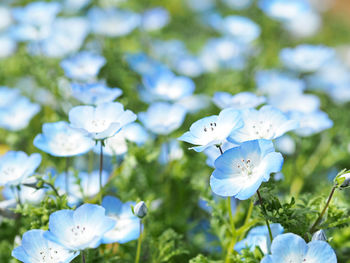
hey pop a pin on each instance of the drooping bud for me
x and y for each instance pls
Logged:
(343, 179)
(140, 209)
(319, 235)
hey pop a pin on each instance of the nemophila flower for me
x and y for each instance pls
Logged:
(213, 130)
(102, 121)
(35, 248)
(241, 28)
(166, 50)
(259, 237)
(16, 167)
(145, 65)
(162, 117)
(242, 100)
(166, 86)
(117, 144)
(188, 65)
(8, 45)
(72, 6)
(240, 171)
(306, 58)
(195, 103)
(213, 153)
(59, 139)
(200, 5)
(170, 151)
(127, 227)
(225, 53)
(266, 123)
(113, 22)
(284, 10)
(292, 248)
(271, 82)
(94, 93)
(81, 185)
(18, 115)
(285, 144)
(80, 229)
(311, 123)
(155, 19)
(66, 37)
(8, 96)
(83, 66)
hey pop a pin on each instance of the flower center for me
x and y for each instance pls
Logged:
(246, 167)
(210, 128)
(263, 130)
(49, 255)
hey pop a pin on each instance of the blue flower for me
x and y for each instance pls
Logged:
(213, 130)
(127, 227)
(155, 19)
(73, 6)
(306, 58)
(145, 65)
(212, 153)
(113, 22)
(26, 194)
(117, 144)
(266, 123)
(16, 167)
(18, 115)
(240, 171)
(8, 45)
(163, 118)
(166, 86)
(8, 96)
(237, 4)
(102, 121)
(292, 248)
(83, 66)
(170, 151)
(259, 237)
(285, 144)
(94, 93)
(80, 229)
(241, 28)
(195, 103)
(36, 248)
(59, 139)
(243, 100)
(271, 82)
(6, 17)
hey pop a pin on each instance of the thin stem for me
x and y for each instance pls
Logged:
(221, 151)
(82, 256)
(233, 230)
(67, 176)
(249, 214)
(16, 192)
(318, 220)
(52, 187)
(139, 241)
(267, 221)
(101, 166)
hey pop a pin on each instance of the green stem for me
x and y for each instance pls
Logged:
(67, 176)
(233, 231)
(267, 221)
(249, 214)
(82, 256)
(318, 220)
(139, 241)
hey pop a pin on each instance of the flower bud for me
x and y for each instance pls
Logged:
(140, 209)
(346, 179)
(319, 235)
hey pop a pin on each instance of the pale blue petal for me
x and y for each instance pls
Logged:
(320, 252)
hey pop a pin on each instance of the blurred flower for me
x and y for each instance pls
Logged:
(163, 118)
(8, 96)
(271, 82)
(237, 4)
(306, 58)
(194, 103)
(116, 145)
(170, 151)
(285, 144)
(145, 65)
(240, 28)
(113, 22)
(18, 115)
(36, 248)
(94, 93)
(80, 229)
(155, 19)
(8, 45)
(213, 130)
(240, 171)
(200, 5)
(16, 167)
(242, 100)
(259, 237)
(102, 121)
(166, 86)
(290, 247)
(83, 66)
(6, 17)
(266, 123)
(59, 139)
(72, 6)
(127, 227)
(26, 194)
(140, 209)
